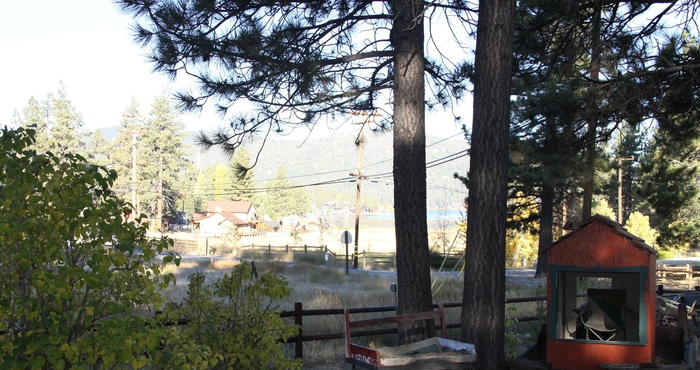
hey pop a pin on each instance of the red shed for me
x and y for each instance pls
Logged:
(614, 323)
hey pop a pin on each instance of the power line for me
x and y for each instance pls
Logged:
(380, 176)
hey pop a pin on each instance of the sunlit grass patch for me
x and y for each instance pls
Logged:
(227, 264)
(321, 287)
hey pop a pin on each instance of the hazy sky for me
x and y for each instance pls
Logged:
(87, 44)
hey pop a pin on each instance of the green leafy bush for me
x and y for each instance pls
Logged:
(232, 323)
(75, 278)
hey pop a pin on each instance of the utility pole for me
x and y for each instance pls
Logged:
(619, 187)
(359, 142)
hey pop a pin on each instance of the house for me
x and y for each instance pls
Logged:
(222, 217)
(268, 227)
(616, 272)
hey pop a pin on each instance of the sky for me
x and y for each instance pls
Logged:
(87, 44)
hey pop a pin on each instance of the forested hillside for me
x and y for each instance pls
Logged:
(314, 162)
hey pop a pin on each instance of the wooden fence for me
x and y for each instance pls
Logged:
(205, 246)
(298, 314)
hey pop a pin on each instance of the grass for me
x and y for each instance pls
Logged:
(319, 287)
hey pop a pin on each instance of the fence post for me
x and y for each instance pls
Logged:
(304, 248)
(298, 320)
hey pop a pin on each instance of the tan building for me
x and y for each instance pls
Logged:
(222, 217)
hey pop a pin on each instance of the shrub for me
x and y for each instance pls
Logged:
(313, 258)
(72, 272)
(232, 324)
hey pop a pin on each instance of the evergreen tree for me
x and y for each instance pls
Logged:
(298, 61)
(35, 116)
(558, 142)
(57, 122)
(242, 175)
(627, 146)
(124, 148)
(284, 198)
(65, 123)
(161, 158)
(671, 176)
(671, 186)
(483, 299)
(97, 148)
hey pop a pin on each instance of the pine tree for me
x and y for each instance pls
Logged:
(35, 116)
(124, 148)
(671, 166)
(57, 122)
(483, 299)
(284, 198)
(97, 148)
(242, 175)
(559, 142)
(65, 123)
(298, 61)
(161, 159)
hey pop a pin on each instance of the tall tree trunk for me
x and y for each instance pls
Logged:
(483, 310)
(546, 223)
(592, 129)
(159, 202)
(410, 211)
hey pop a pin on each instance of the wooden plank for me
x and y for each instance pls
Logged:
(395, 319)
(365, 357)
(685, 271)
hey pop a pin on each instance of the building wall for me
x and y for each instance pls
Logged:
(598, 246)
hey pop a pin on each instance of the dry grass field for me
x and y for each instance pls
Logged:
(318, 286)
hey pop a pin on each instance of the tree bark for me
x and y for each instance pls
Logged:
(483, 310)
(592, 128)
(546, 223)
(410, 211)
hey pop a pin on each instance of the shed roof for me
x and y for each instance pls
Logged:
(616, 228)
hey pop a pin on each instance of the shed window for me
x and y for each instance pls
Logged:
(599, 306)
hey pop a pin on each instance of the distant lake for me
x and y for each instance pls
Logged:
(386, 220)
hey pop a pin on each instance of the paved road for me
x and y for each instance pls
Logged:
(514, 275)
(693, 261)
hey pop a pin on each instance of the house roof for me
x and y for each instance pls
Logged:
(233, 218)
(616, 228)
(271, 224)
(226, 215)
(232, 206)
(198, 216)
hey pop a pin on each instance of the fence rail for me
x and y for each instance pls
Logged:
(206, 246)
(298, 314)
